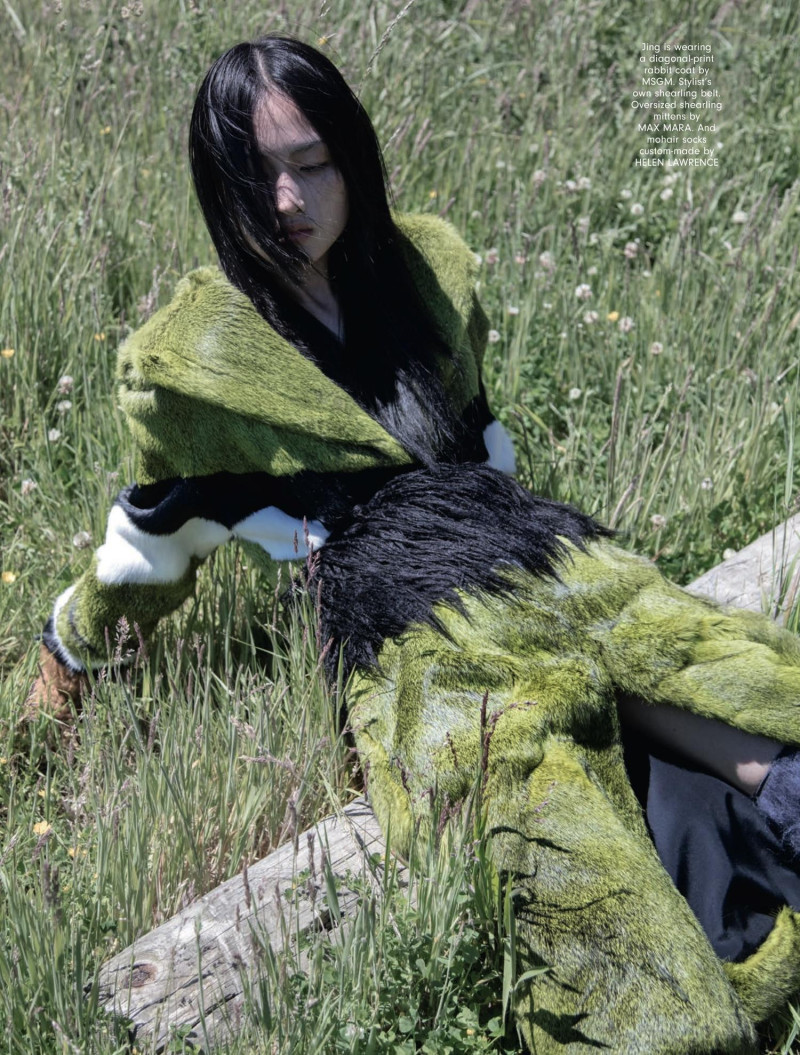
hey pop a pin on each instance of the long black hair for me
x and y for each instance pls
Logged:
(422, 537)
(388, 362)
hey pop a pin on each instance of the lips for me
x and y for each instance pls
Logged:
(298, 233)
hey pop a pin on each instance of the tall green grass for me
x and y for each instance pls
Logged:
(511, 119)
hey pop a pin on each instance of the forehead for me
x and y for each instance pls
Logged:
(281, 128)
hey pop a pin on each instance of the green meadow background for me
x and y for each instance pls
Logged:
(644, 355)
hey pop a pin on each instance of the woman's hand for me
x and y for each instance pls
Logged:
(56, 692)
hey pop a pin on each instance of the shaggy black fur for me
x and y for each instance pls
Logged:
(424, 535)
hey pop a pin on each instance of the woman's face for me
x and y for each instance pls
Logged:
(310, 194)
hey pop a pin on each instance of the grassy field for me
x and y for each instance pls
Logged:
(644, 353)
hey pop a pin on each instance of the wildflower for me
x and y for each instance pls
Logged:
(583, 224)
(100, 336)
(590, 318)
(728, 553)
(105, 131)
(54, 435)
(500, 164)
(546, 305)
(656, 348)
(658, 521)
(707, 484)
(592, 271)
(739, 216)
(646, 273)
(570, 186)
(28, 487)
(42, 828)
(65, 384)
(546, 260)
(575, 393)
(626, 324)
(626, 194)
(478, 259)
(433, 194)
(584, 183)
(493, 337)
(612, 316)
(7, 353)
(520, 258)
(7, 577)
(538, 178)
(513, 309)
(666, 194)
(670, 178)
(63, 406)
(81, 540)
(718, 145)
(630, 250)
(563, 335)
(492, 256)
(321, 42)
(637, 209)
(583, 291)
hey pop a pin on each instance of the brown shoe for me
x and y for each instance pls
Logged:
(56, 692)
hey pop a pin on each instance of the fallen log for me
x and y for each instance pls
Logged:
(192, 973)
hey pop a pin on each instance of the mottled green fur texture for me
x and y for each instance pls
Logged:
(206, 386)
(629, 968)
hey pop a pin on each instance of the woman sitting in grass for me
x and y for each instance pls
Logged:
(498, 647)
(337, 345)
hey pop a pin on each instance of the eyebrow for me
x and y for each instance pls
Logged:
(301, 148)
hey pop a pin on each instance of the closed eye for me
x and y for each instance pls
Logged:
(313, 168)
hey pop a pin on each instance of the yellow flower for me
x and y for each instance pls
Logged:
(71, 851)
(322, 41)
(612, 316)
(42, 828)
(3, 761)
(6, 353)
(105, 131)
(100, 336)
(433, 194)
(8, 577)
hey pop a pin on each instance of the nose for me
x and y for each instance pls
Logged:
(288, 198)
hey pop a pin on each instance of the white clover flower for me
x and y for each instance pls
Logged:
(739, 216)
(82, 540)
(656, 348)
(493, 337)
(584, 183)
(590, 318)
(630, 250)
(707, 484)
(54, 435)
(546, 305)
(670, 178)
(65, 384)
(626, 324)
(637, 209)
(658, 521)
(513, 309)
(546, 260)
(583, 224)
(625, 194)
(538, 178)
(575, 393)
(63, 406)
(563, 335)
(727, 553)
(594, 238)
(666, 194)
(520, 258)
(478, 259)
(583, 291)
(646, 273)
(500, 164)
(28, 486)
(476, 214)
(570, 186)
(492, 256)
(592, 271)
(718, 145)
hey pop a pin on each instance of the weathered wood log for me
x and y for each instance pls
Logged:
(763, 576)
(192, 972)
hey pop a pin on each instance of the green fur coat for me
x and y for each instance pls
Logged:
(522, 693)
(240, 436)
